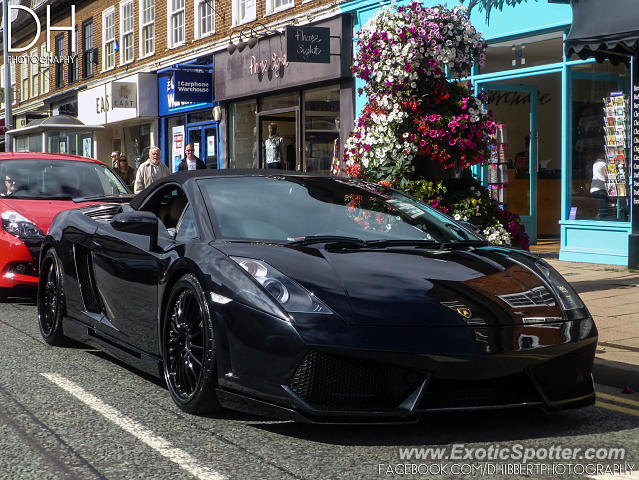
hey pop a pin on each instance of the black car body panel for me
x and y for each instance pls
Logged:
(405, 328)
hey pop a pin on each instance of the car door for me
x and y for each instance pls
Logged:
(127, 273)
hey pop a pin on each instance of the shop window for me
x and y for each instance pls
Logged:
(284, 100)
(73, 53)
(176, 22)
(600, 142)
(87, 48)
(243, 135)
(175, 140)
(243, 11)
(35, 77)
(108, 39)
(524, 52)
(147, 27)
(137, 139)
(126, 31)
(273, 6)
(44, 70)
(204, 18)
(59, 65)
(321, 128)
(24, 81)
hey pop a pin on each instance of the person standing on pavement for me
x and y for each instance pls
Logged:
(115, 156)
(150, 171)
(190, 161)
(126, 172)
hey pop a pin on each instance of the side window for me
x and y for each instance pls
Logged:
(187, 229)
(168, 205)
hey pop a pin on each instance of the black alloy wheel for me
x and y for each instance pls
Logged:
(189, 348)
(51, 303)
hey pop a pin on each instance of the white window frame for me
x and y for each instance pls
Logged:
(197, 18)
(149, 24)
(272, 8)
(24, 81)
(35, 73)
(175, 16)
(250, 12)
(44, 67)
(127, 33)
(108, 41)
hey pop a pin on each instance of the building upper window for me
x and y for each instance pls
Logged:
(35, 74)
(44, 70)
(73, 61)
(176, 23)
(204, 18)
(108, 39)
(273, 6)
(24, 81)
(147, 27)
(87, 48)
(59, 64)
(126, 31)
(243, 11)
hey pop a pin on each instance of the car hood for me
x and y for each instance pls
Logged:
(414, 286)
(40, 212)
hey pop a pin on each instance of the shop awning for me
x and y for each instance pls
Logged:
(603, 29)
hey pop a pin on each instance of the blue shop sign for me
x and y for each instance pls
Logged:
(168, 104)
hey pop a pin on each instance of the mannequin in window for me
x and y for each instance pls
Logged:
(273, 147)
(336, 162)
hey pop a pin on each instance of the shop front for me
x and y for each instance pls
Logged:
(127, 108)
(287, 114)
(188, 116)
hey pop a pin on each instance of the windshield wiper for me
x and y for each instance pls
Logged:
(114, 197)
(402, 243)
(464, 243)
(332, 239)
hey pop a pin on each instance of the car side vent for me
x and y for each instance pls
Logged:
(86, 279)
(103, 212)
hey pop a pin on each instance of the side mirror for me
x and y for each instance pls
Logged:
(138, 223)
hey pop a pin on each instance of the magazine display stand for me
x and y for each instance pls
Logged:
(616, 135)
(498, 166)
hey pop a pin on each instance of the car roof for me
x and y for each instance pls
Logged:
(46, 156)
(184, 176)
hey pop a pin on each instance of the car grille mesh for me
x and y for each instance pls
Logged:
(326, 381)
(535, 297)
(103, 212)
(86, 279)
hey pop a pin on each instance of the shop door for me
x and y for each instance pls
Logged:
(515, 107)
(204, 141)
(284, 125)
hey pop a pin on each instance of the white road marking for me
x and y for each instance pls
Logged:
(157, 443)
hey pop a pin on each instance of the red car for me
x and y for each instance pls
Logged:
(35, 187)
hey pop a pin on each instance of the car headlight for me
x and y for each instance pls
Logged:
(290, 295)
(568, 298)
(19, 226)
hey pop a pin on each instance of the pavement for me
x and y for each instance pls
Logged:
(611, 293)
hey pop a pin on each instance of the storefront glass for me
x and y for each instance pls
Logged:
(175, 140)
(600, 139)
(275, 102)
(242, 135)
(136, 139)
(321, 128)
(524, 52)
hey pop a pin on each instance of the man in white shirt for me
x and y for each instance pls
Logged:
(150, 171)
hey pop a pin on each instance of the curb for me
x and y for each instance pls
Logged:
(616, 374)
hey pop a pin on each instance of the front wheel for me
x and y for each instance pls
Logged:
(189, 348)
(51, 303)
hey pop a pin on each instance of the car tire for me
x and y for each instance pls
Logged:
(51, 300)
(189, 353)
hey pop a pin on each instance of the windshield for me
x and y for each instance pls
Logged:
(57, 179)
(290, 209)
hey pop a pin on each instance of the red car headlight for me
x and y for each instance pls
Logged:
(19, 226)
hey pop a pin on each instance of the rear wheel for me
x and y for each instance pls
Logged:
(189, 348)
(51, 303)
